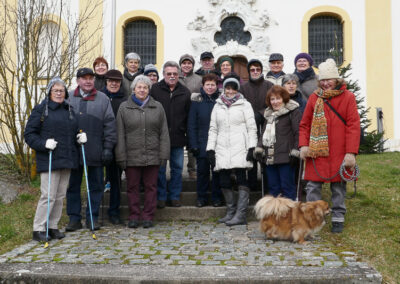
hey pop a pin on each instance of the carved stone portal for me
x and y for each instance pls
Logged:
(232, 27)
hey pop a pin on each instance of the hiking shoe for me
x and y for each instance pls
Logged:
(337, 227)
(160, 204)
(174, 203)
(73, 226)
(133, 224)
(40, 236)
(217, 203)
(56, 234)
(115, 220)
(201, 203)
(147, 224)
(96, 225)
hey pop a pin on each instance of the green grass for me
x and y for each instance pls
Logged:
(372, 226)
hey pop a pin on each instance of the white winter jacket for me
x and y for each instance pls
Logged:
(232, 133)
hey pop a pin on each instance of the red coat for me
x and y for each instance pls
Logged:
(342, 138)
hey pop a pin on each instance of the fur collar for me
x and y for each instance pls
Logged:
(288, 107)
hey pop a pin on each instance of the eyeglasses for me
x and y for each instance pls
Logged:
(171, 74)
(58, 91)
(255, 70)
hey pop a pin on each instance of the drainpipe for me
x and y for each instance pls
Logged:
(113, 11)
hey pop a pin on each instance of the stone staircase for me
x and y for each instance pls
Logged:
(187, 212)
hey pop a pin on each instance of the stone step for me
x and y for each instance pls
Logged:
(187, 198)
(183, 213)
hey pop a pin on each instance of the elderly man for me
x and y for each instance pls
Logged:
(207, 64)
(275, 75)
(96, 118)
(175, 98)
(255, 91)
(193, 82)
(116, 95)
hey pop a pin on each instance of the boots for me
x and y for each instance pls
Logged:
(242, 204)
(230, 204)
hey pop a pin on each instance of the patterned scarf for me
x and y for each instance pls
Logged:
(319, 133)
(230, 101)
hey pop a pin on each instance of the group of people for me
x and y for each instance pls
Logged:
(136, 123)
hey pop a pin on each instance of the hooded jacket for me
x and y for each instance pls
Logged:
(232, 133)
(53, 120)
(192, 81)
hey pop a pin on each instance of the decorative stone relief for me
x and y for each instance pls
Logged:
(252, 41)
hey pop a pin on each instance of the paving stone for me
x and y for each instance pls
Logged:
(333, 263)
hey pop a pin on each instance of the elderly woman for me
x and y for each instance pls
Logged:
(100, 67)
(329, 136)
(143, 145)
(277, 146)
(198, 125)
(290, 83)
(226, 67)
(52, 128)
(232, 138)
(150, 70)
(132, 69)
(116, 95)
(308, 80)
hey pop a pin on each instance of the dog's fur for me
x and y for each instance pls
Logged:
(284, 219)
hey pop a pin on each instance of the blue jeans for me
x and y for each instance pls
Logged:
(281, 180)
(175, 183)
(96, 188)
(203, 181)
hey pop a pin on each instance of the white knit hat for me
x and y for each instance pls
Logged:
(328, 70)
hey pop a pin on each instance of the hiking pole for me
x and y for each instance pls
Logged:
(46, 245)
(88, 192)
(299, 179)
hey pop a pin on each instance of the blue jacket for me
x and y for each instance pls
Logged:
(61, 125)
(199, 120)
(297, 97)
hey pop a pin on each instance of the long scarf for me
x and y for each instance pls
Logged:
(269, 137)
(304, 75)
(319, 146)
(230, 101)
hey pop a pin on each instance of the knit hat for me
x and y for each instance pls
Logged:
(306, 56)
(231, 78)
(114, 74)
(150, 68)
(186, 57)
(226, 58)
(253, 62)
(328, 70)
(56, 80)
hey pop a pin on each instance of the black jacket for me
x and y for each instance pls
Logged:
(61, 125)
(176, 105)
(116, 99)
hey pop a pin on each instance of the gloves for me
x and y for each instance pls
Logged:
(211, 158)
(349, 160)
(122, 165)
(259, 154)
(81, 138)
(195, 152)
(304, 152)
(107, 156)
(249, 156)
(294, 158)
(163, 163)
(51, 144)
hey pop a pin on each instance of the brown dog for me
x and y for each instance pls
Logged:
(284, 219)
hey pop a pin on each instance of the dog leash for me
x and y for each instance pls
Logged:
(344, 175)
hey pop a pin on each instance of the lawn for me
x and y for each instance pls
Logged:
(372, 227)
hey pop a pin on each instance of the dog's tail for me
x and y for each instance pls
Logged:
(273, 206)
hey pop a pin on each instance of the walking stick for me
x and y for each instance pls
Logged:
(299, 179)
(46, 245)
(88, 192)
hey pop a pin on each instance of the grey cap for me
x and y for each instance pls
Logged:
(275, 57)
(186, 57)
(52, 82)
